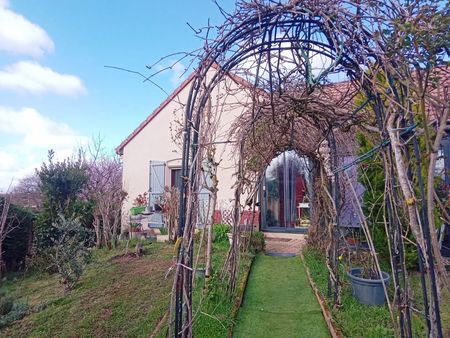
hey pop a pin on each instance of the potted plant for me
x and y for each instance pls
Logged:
(366, 282)
(135, 227)
(139, 204)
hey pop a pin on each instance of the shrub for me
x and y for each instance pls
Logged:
(163, 231)
(18, 311)
(372, 176)
(257, 242)
(61, 185)
(69, 251)
(18, 241)
(6, 304)
(220, 232)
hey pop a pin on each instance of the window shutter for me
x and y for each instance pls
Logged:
(204, 197)
(156, 189)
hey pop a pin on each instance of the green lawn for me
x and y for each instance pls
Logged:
(279, 302)
(116, 297)
(121, 296)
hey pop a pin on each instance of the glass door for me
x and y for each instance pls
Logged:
(286, 192)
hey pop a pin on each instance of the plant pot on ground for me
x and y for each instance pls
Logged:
(200, 273)
(368, 288)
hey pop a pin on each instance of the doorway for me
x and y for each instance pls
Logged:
(286, 193)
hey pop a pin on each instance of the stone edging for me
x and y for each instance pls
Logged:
(240, 298)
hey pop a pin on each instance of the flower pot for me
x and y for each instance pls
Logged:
(200, 273)
(134, 211)
(367, 291)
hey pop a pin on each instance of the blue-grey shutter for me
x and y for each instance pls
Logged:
(204, 200)
(156, 189)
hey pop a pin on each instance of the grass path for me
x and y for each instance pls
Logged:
(279, 302)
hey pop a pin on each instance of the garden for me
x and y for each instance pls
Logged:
(379, 212)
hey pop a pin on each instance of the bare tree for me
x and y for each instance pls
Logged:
(105, 191)
(26, 192)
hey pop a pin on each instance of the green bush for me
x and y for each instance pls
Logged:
(163, 231)
(17, 242)
(61, 184)
(372, 176)
(69, 252)
(18, 311)
(220, 232)
(257, 242)
(6, 304)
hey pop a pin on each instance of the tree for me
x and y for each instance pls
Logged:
(104, 189)
(61, 185)
(26, 193)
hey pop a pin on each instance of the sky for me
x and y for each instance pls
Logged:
(55, 91)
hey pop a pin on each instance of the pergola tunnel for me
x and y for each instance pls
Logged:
(323, 78)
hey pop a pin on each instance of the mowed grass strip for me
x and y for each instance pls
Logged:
(279, 302)
(116, 297)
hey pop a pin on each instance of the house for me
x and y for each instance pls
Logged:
(151, 157)
(151, 154)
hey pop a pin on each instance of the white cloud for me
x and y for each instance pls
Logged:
(20, 36)
(31, 77)
(173, 69)
(37, 134)
(178, 73)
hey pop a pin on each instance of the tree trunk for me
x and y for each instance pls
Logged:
(408, 193)
(442, 273)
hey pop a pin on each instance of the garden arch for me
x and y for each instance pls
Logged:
(291, 54)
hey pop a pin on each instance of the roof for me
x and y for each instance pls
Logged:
(119, 149)
(337, 90)
(239, 80)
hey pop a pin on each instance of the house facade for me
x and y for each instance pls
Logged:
(151, 154)
(151, 157)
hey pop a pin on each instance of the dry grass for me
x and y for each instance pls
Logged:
(116, 297)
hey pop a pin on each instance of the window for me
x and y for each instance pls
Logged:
(175, 179)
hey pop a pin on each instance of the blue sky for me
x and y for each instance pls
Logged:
(54, 89)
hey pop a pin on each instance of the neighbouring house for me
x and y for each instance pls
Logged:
(151, 157)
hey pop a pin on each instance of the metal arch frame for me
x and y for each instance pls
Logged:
(347, 55)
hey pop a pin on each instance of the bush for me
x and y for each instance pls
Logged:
(61, 185)
(372, 176)
(6, 304)
(18, 239)
(17, 312)
(220, 232)
(163, 231)
(69, 252)
(257, 242)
